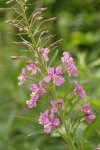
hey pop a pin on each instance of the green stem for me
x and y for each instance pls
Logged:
(67, 135)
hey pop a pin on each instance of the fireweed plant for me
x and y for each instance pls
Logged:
(56, 117)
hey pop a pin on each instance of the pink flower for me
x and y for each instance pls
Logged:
(48, 121)
(67, 60)
(55, 75)
(31, 103)
(22, 77)
(36, 89)
(59, 101)
(90, 117)
(72, 70)
(44, 52)
(87, 111)
(54, 108)
(54, 105)
(79, 90)
(98, 148)
(32, 66)
(44, 117)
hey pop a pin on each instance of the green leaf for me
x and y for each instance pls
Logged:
(53, 57)
(91, 127)
(83, 145)
(72, 107)
(27, 118)
(36, 133)
(87, 145)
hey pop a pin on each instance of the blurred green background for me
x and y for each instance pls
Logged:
(78, 24)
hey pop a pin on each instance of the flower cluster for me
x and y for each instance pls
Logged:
(48, 121)
(48, 76)
(44, 53)
(88, 112)
(55, 75)
(36, 89)
(22, 77)
(79, 90)
(67, 60)
(54, 105)
(32, 66)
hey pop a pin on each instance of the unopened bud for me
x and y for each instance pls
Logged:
(23, 43)
(36, 13)
(49, 36)
(3, 9)
(8, 21)
(42, 9)
(9, 1)
(58, 41)
(45, 31)
(39, 18)
(15, 25)
(20, 29)
(17, 57)
(52, 19)
(26, 7)
(25, 29)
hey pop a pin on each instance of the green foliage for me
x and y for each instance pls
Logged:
(79, 25)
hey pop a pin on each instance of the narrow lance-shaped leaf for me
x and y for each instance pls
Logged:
(91, 127)
(53, 58)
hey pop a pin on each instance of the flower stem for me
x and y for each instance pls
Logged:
(67, 135)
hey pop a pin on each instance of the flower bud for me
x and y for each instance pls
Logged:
(17, 57)
(52, 19)
(42, 9)
(9, 1)
(58, 41)
(45, 31)
(39, 18)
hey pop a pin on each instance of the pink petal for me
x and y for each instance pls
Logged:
(46, 112)
(59, 80)
(40, 84)
(29, 67)
(58, 70)
(74, 73)
(75, 82)
(33, 87)
(56, 122)
(42, 90)
(47, 79)
(47, 129)
(50, 71)
(66, 54)
(90, 118)
(47, 58)
(34, 71)
(46, 50)
(83, 94)
(23, 71)
(31, 103)
(34, 96)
